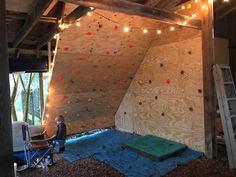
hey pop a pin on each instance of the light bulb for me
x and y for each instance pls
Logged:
(158, 31)
(89, 14)
(172, 28)
(126, 29)
(145, 31)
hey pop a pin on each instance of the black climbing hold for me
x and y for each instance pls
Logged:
(150, 81)
(189, 52)
(156, 97)
(72, 81)
(130, 78)
(199, 90)
(94, 89)
(163, 114)
(191, 109)
(182, 72)
(87, 109)
(161, 65)
(100, 25)
(124, 112)
(140, 103)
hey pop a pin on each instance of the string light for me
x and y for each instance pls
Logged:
(194, 15)
(92, 8)
(56, 36)
(126, 29)
(77, 23)
(47, 105)
(89, 14)
(158, 31)
(197, 1)
(182, 7)
(145, 31)
(226, 0)
(172, 28)
(47, 115)
(203, 6)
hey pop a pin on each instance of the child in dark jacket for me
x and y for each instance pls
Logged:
(61, 133)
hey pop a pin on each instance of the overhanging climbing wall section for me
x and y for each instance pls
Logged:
(165, 98)
(95, 64)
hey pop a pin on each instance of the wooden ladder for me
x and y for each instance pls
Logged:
(226, 95)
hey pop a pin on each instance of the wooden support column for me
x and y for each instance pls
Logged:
(6, 152)
(208, 81)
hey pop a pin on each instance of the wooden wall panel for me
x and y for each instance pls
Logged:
(94, 66)
(165, 98)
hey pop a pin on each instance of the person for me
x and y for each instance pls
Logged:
(61, 133)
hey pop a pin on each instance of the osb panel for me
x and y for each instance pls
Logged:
(94, 66)
(165, 98)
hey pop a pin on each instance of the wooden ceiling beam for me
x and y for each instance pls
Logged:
(31, 21)
(24, 17)
(132, 8)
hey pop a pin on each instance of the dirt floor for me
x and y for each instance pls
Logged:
(91, 167)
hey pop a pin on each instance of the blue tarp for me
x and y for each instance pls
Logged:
(106, 146)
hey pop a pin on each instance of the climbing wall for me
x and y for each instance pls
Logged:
(95, 63)
(165, 97)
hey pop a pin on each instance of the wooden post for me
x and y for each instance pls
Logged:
(208, 81)
(6, 152)
(41, 94)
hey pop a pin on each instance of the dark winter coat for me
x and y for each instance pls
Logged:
(61, 131)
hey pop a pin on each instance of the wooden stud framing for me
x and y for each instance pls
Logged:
(6, 152)
(208, 81)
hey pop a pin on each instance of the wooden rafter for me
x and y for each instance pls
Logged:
(132, 8)
(31, 21)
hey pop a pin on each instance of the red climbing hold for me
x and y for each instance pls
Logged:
(63, 98)
(131, 46)
(66, 48)
(78, 72)
(89, 33)
(168, 81)
(104, 78)
(109, 51)
(82, 58)
(91, 78)
(115, 27)
(60, 78)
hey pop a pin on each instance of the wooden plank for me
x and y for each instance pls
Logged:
(208, 81)
(50, 7)
(139, 10)
(6, 153)
(31, 21)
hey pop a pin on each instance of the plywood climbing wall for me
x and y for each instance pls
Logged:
(165, 98)
(95, 64)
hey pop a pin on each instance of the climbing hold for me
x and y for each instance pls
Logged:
(161, 65)
(68, 102)
(82, 58)
(124, 112)
(77, 72)
(182, 72)
(199, 90)
(189, 52)
(150, 81)
(66, 48)
(72, 81)
(109, 51)
(104, 78)
(115, 27)
(89, 33)
(130, 78)
(168, 81)
(87, 109)
(100, 25)
(163, 114)
(91, 78)
(191, 109)
(94, 89)
(140, 103)
(63, 98)
(131, 46)
(60, 78)
(89, 99)
(156, 97)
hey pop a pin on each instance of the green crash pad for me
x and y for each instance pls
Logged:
(155, 147)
